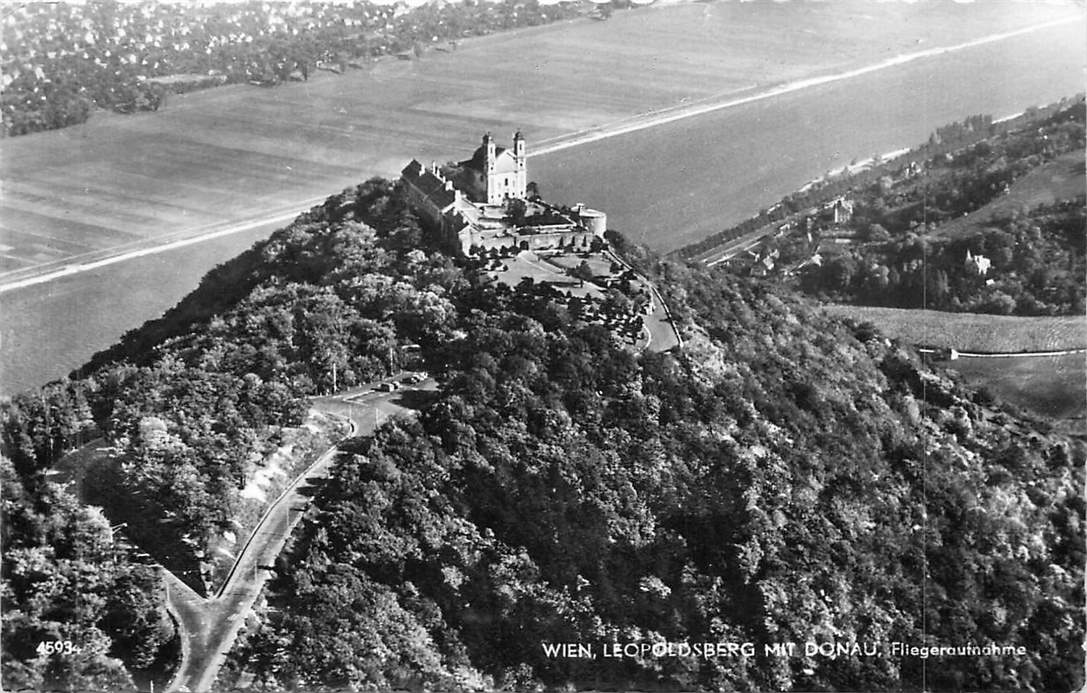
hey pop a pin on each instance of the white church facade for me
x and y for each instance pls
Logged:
(469, 202)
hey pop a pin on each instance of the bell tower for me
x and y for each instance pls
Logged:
(489, 179)
(520, 176)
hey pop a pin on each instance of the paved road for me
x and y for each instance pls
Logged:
(209, 627)
(659, 325)
(956, 354)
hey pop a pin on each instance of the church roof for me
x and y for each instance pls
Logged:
(476, 162)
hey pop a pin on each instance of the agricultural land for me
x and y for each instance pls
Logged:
(971, 245)
(973, 332)
(193, 170)
(237, 154)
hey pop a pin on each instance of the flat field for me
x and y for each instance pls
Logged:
(1051, 385)
(239, 153)
(973, 331)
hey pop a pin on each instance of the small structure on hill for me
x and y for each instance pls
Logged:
(978, 264)
(840, 209)
(481, 203)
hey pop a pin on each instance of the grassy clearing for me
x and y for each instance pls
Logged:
(527, 265)
(1052, 386)
(972, 331)
(1060, 179)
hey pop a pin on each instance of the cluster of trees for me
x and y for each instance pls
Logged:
(62, 60)
(1037, 267)
(186, 404)
(947, 139)
(787, 477)
(1036, 257)
(79, 613)
(190, 400)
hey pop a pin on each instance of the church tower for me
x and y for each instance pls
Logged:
(489, 178)
(520, 184)
(488, 155)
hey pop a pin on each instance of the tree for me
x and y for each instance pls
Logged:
(516, 210)
(583, 272)
(877, 234)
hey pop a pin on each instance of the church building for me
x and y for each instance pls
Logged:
(468, 202)
(497, 174)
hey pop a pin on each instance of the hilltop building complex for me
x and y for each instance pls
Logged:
(482, 203)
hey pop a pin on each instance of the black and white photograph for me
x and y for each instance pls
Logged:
(553, 346)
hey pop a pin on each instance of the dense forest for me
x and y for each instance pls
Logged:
(785, 477)
(190, 403)
(68, 579)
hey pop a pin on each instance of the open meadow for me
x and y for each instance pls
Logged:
(1048, 385)
(1060, 179)
(973, 332)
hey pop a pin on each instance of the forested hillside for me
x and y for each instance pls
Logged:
(190, 405)
(914, 240)
(786, 477)
(985, 217)
(70, 584)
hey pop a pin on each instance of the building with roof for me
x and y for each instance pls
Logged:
(482, 203)
(978, 264)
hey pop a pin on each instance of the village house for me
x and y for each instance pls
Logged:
(840, 210)
(978, 264)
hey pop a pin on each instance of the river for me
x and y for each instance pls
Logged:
(665, 186)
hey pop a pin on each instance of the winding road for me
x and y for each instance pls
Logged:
(209, 627)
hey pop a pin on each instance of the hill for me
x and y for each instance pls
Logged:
(238, 153)
(1062, 178)
(986, 217)
(780, 480)
(784, 478)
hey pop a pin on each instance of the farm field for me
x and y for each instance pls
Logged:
(972, 331)
(231, 154)
(1051, 385)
